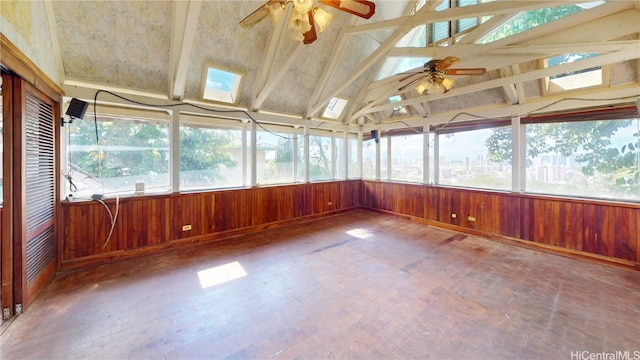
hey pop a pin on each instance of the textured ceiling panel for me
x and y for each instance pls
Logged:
(220, 40)
(124, 43)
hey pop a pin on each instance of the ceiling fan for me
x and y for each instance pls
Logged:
(303, 19)
(433, 79)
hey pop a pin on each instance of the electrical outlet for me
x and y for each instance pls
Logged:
(471, 218)
(453, 216)
(186, 227)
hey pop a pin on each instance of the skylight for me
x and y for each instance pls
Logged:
(335, 108)
(220, 84)
(575, 79)
(400, 110)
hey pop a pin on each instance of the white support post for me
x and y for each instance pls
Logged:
(519, 159)
(378, 159)
(254, 154)
(359, 159)
(436, 158)
(295, 154)
(388, 157)
(345, 154)
(425, 154)
(306, 154)
(174, 152)
(245, 160)
(334, 158)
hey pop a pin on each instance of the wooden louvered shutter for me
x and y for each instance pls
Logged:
(36, 198)
(39, 184)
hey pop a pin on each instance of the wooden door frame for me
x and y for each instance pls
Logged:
(6, 235)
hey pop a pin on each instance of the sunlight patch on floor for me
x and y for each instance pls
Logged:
(221, 274)
(360, 233)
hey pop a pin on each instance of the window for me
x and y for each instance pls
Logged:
(575, 79)
(352, 156)
(407, 157)
(369, 159)
(585, 158)
(275, 157)
(465, 160)
(210, 156)
(529, 20)
(320, 157)
(439, 30)
(340, 155)
(220, 84)
(384, 158)
(128, 152)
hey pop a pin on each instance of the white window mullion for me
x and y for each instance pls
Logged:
(425, 154)
(378, 158)
(359, 155)
(244, 163)
(334, 152)
(388, 157)
(518, 151)
(436, 158)
(306, 154)
(254, 154)
(295, 154)
(174, 152)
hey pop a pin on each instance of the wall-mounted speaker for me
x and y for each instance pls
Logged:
(77, 108)
(374, 135)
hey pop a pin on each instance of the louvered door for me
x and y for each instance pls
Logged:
(35, 198)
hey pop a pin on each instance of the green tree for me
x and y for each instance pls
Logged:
(204, 153)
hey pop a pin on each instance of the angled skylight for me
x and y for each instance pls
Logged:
(575, 79)
(220, 84)
(400, 110)
(530, 19)
(334, 108)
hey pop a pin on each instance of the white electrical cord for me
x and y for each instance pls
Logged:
(111, 216)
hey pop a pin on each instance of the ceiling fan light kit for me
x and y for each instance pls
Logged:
(433, 78)
(305, 16)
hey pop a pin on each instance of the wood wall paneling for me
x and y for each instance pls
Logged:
(155, 222)
(606, 230)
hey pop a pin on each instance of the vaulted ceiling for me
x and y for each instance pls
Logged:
(157, 50)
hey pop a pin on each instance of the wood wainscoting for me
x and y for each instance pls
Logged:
(151, 223)
(599, 230)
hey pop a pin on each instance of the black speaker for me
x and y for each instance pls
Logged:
(77, 108)
(374, 135)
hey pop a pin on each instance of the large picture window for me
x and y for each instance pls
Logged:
(369, 159)
(467, 159)
(585, 158)
(352, 155)
(407, 159)
(275, 157)
(210, 157)
(127, 151)
(320, 157)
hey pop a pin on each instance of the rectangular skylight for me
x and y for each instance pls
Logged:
(220, 84)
